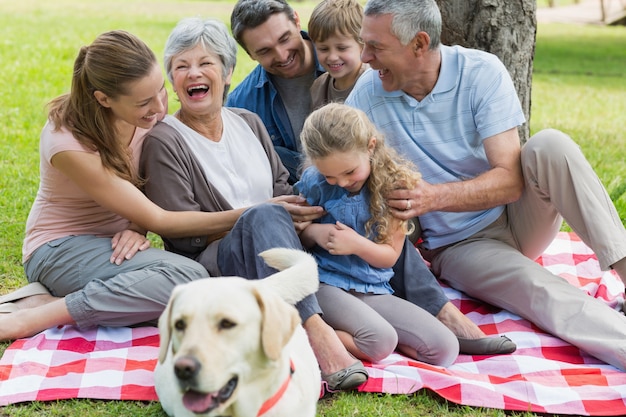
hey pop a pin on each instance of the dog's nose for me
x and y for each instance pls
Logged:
(186, 367)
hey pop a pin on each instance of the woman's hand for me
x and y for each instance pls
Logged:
(301, 212)
(126, 244)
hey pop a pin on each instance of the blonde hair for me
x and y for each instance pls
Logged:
(335, 16)
(110, 64)
(338, 127)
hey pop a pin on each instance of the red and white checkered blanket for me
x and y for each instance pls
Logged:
(544, 375)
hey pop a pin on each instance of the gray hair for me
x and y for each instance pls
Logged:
(409, 18)
(248, 14)
(212, 34)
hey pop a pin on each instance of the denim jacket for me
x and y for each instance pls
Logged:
(257, 94)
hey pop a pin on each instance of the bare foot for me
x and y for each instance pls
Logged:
(331, 355)
(458, 322)
(49, 312)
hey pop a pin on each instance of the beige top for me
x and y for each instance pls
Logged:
(61, 208)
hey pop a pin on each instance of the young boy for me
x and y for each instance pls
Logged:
(334, 28)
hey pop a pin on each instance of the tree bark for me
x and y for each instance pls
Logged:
(506, 28)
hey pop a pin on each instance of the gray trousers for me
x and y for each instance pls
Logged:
(497, 264)
(98, 292)
(379, 323)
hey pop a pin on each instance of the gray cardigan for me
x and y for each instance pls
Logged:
(175, 181)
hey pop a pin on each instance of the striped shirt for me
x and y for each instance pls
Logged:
(474, 98)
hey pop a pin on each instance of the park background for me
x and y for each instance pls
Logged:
(579, 86)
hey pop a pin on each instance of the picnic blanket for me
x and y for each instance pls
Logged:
(544, 375)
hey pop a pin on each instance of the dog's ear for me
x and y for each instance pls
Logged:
(278, 323)
(164, 326)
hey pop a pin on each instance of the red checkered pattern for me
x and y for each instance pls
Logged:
(63, 363)
(544, 375)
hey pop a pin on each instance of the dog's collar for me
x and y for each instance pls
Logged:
(271, 402)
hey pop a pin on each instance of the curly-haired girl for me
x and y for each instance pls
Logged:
(358, 241)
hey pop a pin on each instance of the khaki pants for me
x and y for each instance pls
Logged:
(497, 264)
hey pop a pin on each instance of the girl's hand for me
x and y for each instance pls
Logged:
(343, 240)
(126, 244)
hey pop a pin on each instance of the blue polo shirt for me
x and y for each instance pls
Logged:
(474, 98)
(348, 272)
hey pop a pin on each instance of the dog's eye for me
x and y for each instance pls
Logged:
(226, 324)
(180, 325)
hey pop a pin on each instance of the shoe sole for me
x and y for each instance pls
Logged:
(34, 288)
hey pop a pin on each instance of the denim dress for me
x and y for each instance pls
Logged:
(348, 272)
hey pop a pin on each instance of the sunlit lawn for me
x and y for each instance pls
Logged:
(579, 86)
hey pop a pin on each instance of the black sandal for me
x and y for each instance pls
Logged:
(347, 378)
(487, 346)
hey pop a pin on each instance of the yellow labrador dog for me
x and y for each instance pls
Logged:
(235, 347)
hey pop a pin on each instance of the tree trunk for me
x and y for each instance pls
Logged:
(506, 28)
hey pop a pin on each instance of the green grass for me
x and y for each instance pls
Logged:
(558, 3)
(579, 86)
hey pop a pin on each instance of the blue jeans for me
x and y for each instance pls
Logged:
(291, 160)
(413, 281)
(259, 228)
(270, 226)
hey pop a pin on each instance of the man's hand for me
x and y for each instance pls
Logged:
(408, 203)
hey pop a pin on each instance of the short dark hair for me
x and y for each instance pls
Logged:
(248, 14)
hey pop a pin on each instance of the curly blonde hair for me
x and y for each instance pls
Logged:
(337, 127)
